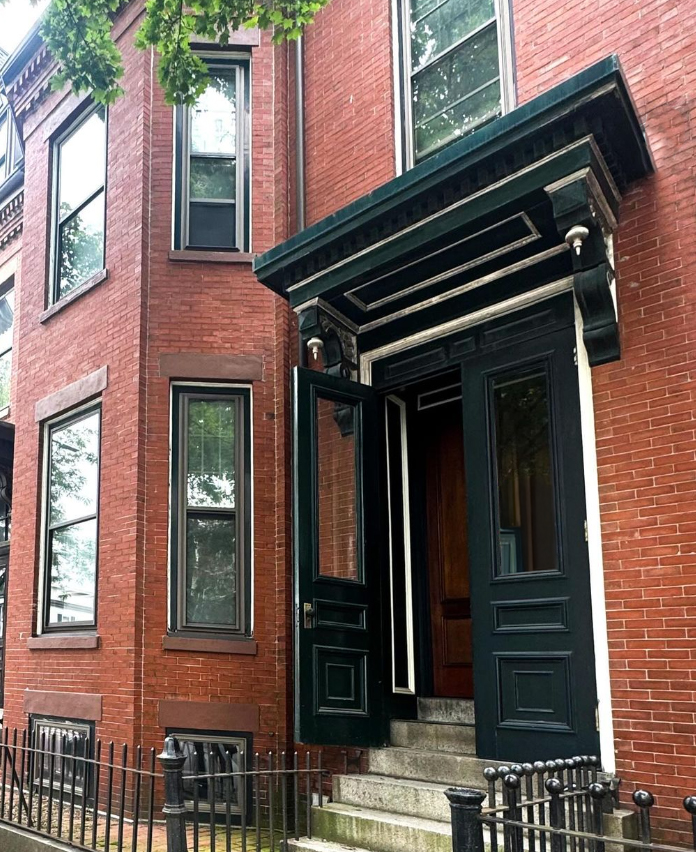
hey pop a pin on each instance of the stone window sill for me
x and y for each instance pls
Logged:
(85, 287)
(247, 647)
(193, 256)
(54, 641)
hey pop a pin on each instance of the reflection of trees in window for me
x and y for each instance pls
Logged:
(79, 229)
(455, 69)
(210, 459)
(525, 486)
(72, 519)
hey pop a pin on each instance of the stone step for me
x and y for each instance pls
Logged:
(452, 710)
(379, 831)
(441, 767)
(305, 844)
(395, 795)
(434, 736)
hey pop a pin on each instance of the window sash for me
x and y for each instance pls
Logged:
(49, 727)
(505, 78)
(60, 222)
(184, 510)
(49, 529)
(240, 156)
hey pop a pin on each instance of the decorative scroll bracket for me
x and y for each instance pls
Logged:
(585, 213)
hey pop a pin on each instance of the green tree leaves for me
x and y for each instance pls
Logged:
(78, 34)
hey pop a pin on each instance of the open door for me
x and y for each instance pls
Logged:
(338, 664)
(534, 674)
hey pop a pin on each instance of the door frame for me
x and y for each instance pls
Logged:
(550, 295)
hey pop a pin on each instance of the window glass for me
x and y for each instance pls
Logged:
(455, 70)
(211, 453)
(526, 509)
(435, 27)
(337, 489)
(210, 509)
(80, 173)
(214, 115)
(72, 521)
(82, 163)
(6, 328)
(219, 756)
(4, 145)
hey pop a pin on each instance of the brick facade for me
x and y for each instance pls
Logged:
(152, 306)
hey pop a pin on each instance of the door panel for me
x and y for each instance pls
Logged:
(448, 547)
(533, 649)
(337, 606)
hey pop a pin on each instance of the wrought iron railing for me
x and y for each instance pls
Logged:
(563, 805)
(98, 796)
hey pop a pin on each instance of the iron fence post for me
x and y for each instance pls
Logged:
(467, 830)
(172, 761)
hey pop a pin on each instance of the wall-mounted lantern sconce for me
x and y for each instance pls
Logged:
(315, 346)
(576, 236)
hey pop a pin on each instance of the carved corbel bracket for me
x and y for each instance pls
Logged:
(338, 343)
(585, 219)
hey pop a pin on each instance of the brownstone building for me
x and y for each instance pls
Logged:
(356, 402)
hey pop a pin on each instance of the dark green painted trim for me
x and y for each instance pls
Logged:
(600, 89)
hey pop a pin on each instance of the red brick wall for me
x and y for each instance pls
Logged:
(644, 404)
(151, 305)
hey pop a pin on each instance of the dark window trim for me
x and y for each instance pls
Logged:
(181, 156)
(6, 287)
(59, 422)
(181, 393)
(197, 735)
(57, 223)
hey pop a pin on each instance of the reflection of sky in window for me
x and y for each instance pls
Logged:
(214, 119)
(82, 158)
(74, 470)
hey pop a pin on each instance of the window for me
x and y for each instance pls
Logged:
(208, 755)
(6, 326)
(212, 163)
(4, 146)
(70, 547)
(10, 147)
(79, 213)
(69, 741)
(524, 468)
(457, 69)
(211, 509)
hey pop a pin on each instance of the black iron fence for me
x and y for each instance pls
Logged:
(97, 796)
(562, 805)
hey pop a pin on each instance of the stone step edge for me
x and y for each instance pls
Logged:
(388, 817)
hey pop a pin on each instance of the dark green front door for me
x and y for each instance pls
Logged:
(534, 676)
(338, 672)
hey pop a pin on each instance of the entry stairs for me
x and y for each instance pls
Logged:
(400, 805)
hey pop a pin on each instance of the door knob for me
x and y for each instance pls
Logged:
(308, 610)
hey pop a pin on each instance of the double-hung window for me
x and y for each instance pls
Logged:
(6, 329)
(211, 510)
(457, 70)
(70, 520)
(79, 179)
(212, 162)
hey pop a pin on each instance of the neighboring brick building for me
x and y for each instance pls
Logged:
(473, 174)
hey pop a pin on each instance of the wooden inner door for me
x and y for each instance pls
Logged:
(448, 550)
